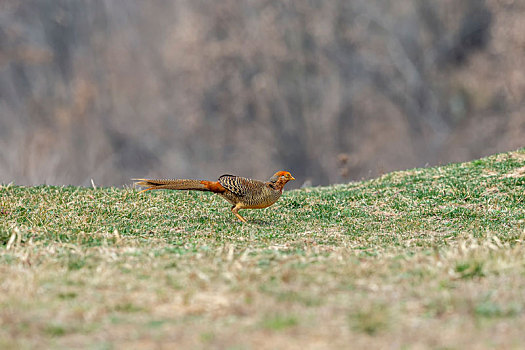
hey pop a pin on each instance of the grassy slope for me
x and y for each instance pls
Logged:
(426, 257)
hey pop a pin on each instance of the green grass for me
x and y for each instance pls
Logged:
(425, 258)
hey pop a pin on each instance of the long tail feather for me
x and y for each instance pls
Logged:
(183, 184)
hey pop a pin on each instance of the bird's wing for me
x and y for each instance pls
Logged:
(239, 186)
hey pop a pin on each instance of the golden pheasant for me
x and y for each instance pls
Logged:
(243, 193)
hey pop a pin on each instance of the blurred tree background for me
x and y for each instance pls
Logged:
(330, 90)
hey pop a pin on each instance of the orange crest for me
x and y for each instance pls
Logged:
(282, 175)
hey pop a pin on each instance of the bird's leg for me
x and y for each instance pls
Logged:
(235, 211)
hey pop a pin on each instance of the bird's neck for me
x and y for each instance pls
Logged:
(278, 185)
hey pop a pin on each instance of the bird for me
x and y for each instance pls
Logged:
(241, 192)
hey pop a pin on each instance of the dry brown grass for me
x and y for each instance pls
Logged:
(418, 259)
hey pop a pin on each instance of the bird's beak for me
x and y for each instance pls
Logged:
(292, 178)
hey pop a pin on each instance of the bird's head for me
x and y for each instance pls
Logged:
(281, 177)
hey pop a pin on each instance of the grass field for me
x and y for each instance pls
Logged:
(425, 258)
